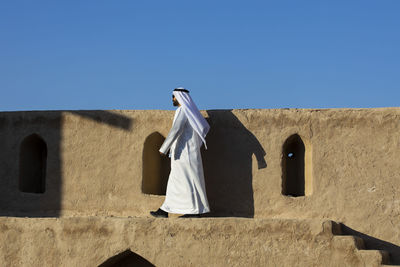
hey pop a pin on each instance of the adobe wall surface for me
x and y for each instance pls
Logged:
(91, 241)
(95, 164)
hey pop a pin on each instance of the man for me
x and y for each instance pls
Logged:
(186, 193)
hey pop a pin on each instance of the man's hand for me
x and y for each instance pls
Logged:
(162, 154)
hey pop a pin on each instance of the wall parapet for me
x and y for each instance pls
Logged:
(95, 164)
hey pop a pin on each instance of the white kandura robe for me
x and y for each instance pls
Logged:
(186, 193)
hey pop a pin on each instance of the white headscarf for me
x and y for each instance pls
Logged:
(196, 120)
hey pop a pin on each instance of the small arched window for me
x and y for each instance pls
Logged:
(155, 168)
(32, 165)
(293, 181)
(126, 258)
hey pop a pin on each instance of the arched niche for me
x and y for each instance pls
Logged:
(32, 164)
(156, 168)
(296, 167)
(126, 259)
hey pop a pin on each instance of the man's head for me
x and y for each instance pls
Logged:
(174, 100)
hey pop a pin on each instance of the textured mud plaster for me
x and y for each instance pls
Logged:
(102, 242)
(96, 164)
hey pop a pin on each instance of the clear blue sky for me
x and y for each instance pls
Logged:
(128, 54)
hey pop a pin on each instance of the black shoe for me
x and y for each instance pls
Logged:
(190, 216)
(159, 213)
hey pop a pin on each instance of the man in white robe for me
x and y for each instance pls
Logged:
(186, 193)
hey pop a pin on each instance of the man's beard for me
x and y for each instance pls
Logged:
(175, 103)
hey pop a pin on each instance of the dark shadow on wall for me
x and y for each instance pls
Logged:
(228, 165)
(48, 126)
(106, 117)
(127, 259)
(375, 243)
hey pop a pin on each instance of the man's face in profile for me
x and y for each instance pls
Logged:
(174, 101)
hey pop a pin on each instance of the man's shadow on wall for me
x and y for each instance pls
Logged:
(228, 165)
